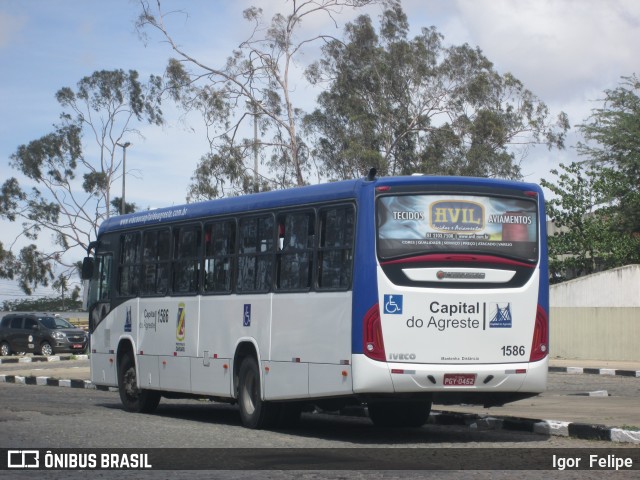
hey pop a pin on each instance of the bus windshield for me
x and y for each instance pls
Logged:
(419, 224)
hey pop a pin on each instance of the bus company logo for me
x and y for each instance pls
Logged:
(127, 320)
(393, 304)
(441, 275)
(180, 323)
(501, 316)
(23, 459)
(456, 216)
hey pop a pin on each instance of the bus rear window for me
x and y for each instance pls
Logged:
(417, 224)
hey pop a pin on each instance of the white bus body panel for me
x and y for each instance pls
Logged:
(211, 376)
(458, 326)
(421, 343)
(104, 369)
(285, 380)
(310, 346)
(104, 342)
(187, 344)
(371, 376)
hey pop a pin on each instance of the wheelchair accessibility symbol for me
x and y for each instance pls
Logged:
(246, 317)
(393, 304)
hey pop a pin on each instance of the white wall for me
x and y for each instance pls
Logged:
(597, 317)
(619, 287)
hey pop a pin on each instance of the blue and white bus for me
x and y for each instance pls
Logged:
(388, 292)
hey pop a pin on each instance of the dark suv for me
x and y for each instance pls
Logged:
(40, 333)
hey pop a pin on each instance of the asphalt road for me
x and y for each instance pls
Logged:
(565, 400)
(56, 417)
(50, 417)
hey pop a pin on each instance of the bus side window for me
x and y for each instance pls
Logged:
(256, 237)
(186, 256)
(100, 285)
(155, 259)
(335, 251)
(220, 241)
(296, 250)
(104, 279)
(130, 264)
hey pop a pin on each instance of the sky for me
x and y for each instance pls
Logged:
(567, 52)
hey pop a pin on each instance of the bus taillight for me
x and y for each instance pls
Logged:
(540, 345)
(373, 343)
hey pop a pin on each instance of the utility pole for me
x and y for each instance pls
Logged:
(254, 106)
(124, 173)
(255, 147)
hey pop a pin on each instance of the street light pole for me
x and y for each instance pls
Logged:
(256, 188)
(255, 106)
(124, 173)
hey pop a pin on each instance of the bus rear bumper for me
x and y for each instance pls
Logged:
(371, 377)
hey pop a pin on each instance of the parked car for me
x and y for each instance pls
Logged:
(40, 333)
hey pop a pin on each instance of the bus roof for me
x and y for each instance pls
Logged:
(334, 191)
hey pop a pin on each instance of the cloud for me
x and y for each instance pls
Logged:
(10, 26)
(558, 48)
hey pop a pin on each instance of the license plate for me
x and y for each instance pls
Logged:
(459, 379)
(77, 345)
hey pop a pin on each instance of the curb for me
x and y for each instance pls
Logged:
(595, 371)
(48, 381)
(52, 358)
(584, 431)
(558, 428)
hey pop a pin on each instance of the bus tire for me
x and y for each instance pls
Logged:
(413, 413)
(134, 399)
(255, 413)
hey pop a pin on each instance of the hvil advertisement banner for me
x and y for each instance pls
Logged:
(451, 223)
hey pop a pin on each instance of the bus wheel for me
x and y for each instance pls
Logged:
(133, 398)
(400, 413)
(254, 412)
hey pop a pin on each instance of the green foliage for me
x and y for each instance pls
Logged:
(116, 206)
(413, 105)
(597, 203)
(31, 268)
(253, 88)
(49, 304)
(612, 135)
(73, 191)
(588, 236)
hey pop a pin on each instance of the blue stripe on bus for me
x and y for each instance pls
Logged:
(343, 190)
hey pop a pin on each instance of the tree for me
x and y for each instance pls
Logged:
(587, 234)
(72, 190)
(31, 268)
(61, 284)
(612, 144)
(255, 84)
(413, 105)
(47, 304)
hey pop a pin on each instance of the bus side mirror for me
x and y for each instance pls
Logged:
(87, 268)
